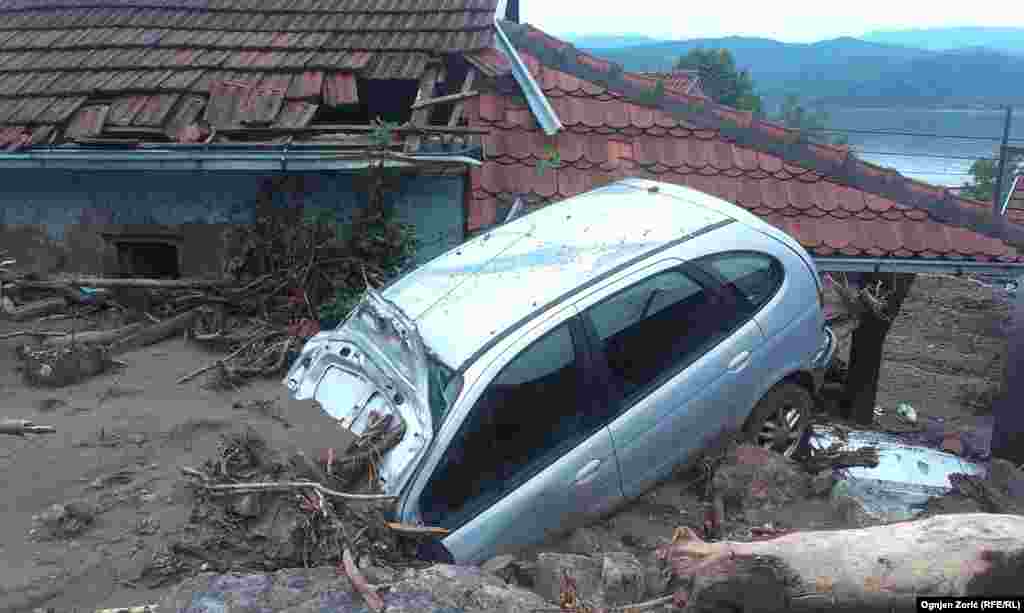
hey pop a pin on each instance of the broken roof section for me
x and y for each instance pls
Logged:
(232, 70)
(847, 212)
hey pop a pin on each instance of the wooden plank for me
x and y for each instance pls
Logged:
(445, 99)
(328, 128)
(420, 117)
(457, 111)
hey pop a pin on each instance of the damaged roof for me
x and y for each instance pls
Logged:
(70, 69)
(835, 204)
(686, 81)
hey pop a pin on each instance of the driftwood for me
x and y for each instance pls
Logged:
(990, 498)
(21, 427)
(37, 334)
(38, 308)
(408, 530)
(96, 337)
(828, 460)
(276, 486)
(222, 361)
(133, 282)
(156, 332)
(872, 569)
(372, 598)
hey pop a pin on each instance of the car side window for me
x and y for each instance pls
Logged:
(528, 414)
(754, 277)
(651, 329)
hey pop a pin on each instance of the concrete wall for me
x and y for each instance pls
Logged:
(67, 220)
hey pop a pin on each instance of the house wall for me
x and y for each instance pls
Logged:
(65, 220)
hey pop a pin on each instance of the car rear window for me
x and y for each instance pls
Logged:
(754, 276)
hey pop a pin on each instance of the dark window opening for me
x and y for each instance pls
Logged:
(651, 329)
(154, 260)
(752, 278)
(530, 414)
(389, 99)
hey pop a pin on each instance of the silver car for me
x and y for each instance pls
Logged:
(563, 363)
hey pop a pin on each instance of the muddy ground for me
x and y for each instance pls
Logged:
(123, 436)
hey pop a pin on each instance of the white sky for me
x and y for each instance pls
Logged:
(798, 21)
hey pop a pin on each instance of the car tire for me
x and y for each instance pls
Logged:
(789, 404)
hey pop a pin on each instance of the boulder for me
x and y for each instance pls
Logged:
(754, 477)
(323, 590)
(623, 579)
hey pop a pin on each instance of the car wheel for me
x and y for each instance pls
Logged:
(780, 419)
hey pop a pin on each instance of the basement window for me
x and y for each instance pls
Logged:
(148, 259)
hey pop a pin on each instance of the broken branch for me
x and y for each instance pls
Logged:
(21, 427)
(220, 362)
(373, 600)
(10, 335)
(865, 456)
(272, 486)
(409, 530)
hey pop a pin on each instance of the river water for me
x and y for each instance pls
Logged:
(939, 160)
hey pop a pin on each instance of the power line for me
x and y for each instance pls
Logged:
(901, 133)
(925, 155)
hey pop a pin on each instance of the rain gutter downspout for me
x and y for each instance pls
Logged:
(911, 266)
(535, 98)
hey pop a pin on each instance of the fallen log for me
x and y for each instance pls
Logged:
(102, 282)
(278, 486)
(96, 337)
(882, 568)
(38, 308)
(155, 333)
(21, 427)
(37, 334)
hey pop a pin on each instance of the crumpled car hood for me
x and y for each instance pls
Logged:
(373, 364)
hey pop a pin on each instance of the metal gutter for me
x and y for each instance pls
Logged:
(907, 265)
(535, 98)
(198, 157)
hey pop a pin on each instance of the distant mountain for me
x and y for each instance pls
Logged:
(850, 70)
(1007, 40)
(610, 41)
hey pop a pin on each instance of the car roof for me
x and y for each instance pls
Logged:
(466, 297)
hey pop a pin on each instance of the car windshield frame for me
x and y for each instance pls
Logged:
(440, 379)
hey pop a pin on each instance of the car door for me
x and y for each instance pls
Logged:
(673, 350)
(531, 456)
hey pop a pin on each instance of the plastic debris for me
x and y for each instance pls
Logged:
(907, 412)
(906, 477)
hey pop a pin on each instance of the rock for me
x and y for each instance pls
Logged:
(502, 566)
(323, 590)
(822, 483)
(65, 520)
(754, 477)
(623, 580)
(586, 571)
(1007, 478)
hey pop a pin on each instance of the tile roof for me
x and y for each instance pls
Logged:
(834, 203)
(264, 61)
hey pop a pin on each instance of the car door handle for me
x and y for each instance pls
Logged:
(739, 362)
(585, 474)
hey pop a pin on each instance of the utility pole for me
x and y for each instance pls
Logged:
(997, 193)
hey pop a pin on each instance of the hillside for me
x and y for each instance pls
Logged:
(851, 71)
(1007, 40)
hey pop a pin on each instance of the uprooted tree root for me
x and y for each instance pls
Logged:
(858, 301)
(255, 508)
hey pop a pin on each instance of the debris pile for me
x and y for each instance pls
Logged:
(256, 508)
(284, 276)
